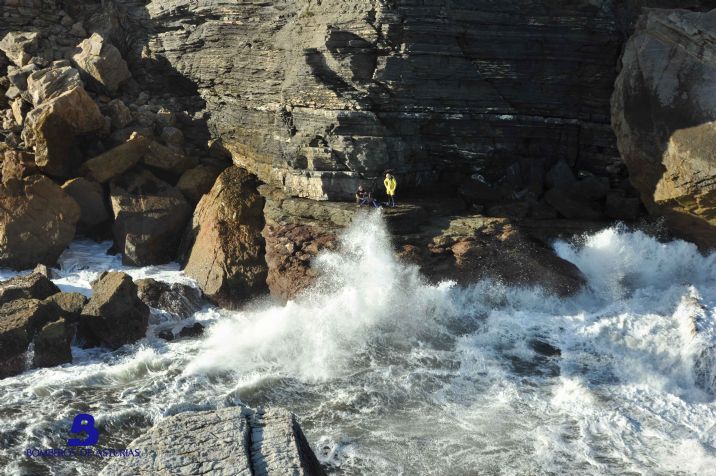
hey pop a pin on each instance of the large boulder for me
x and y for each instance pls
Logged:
(54, 126)
(227, 255)
(196, 182)
(246, 442)
(149, 218)
(664, 116)
(102, 63)
(180, 300)
(37, 223)
(115, 315)
(32, 286)
(19, 46)
(19, 322)
(49, 83)
(90, 196)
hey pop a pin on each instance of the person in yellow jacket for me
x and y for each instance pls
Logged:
(390, 186)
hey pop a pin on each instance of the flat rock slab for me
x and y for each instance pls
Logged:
(229, 441)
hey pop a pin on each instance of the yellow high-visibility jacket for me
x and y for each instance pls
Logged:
(390, 185)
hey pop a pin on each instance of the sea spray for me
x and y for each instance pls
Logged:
(392, 375)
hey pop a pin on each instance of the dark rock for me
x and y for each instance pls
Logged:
(166, 335)
(150, 217)
(32, 286)
(560, 176)
(620, 207)
(572, 208)
(39, 223)
(115, 315)
(227, 255)
(52, 345)
(19, 321)
(194, 330)
(90, 196)
(545, 348)
(178, 299)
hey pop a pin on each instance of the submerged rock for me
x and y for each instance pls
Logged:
(243, 442)
(115, 315)
(178, 299)
(194, 330)
(227, 252)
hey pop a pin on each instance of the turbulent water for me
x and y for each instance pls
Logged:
(391, 375)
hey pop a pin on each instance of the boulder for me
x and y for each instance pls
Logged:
(196, 182)
(52, 345)
(49, 83)
(19, 321)
(115, 315)
(249, 442)
(572, 208)
(53, 127)
(195, 330)
(150, 217)
(19, 47)
(119, 114)
(102, 63)
(178, 299)
(31, 286)
(18, 76)
(90, 196)
(37, 224)
(166, 158)
(116, 161)
(16, 165)
(67, 305)
(227, 253)
(664, 117)
(620, 207)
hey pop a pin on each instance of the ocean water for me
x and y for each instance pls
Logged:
(391, 375)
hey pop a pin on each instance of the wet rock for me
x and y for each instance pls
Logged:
(166, 335)
(115, 315)
(226, 257)
(150, 217)
(197, 182)
(192, 331)
(250, 442)
(67, 305)
(19, 47)
(178, 299)
(52, 129)
(90, 196)
(52, 345)
(19, 321)
(49, 83)
(31, 286)
(38, 225)
(664, 117)
(544, 348)
(102, 62)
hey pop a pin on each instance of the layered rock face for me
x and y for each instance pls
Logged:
(312, 96)
(244, 442)
(664, 115)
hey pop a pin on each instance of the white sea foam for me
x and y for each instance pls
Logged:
(395, 376)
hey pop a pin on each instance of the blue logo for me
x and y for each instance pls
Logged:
(84, 423)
